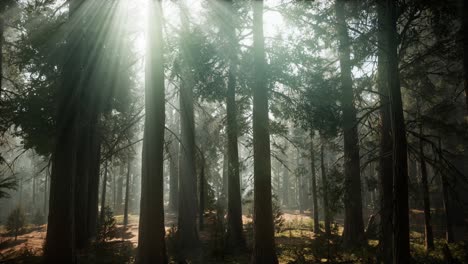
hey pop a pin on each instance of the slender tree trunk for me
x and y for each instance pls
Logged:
(401, 252)
(188, 240)
(264, 239)
(465, 47)
(94, 173)
(326, 209)
(235, 238)
(103, 193)
(429, 237)
(224, 189)
(202, 197)
(285, 185)
(174, 167)
(2, 28)
(353, 232)
(151, 232)
(60, 239)
(119, 192)
(46, 191)
(314, 185)
(127, 190)
(385, 142)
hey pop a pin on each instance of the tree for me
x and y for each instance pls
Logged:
(314, 185)
(385, 142)
(60, 245)
(235, 237)
(264, 240)
(16, 222)
(429, 237)
(326, 209)
(151, 244)
(401, 248)
(188, 240)
(354, 226)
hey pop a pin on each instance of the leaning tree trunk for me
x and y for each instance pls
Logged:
(429, 237)
(401, 251)
(385, 144)
(60, 239)
(314, 185)
(264, 239)
(326, 210)
(353, 224)
(188, 240)
(151, 232)
(234, 238)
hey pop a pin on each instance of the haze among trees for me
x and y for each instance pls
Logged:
(233, 131)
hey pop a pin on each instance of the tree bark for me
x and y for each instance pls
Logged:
(2, 28)
(353, 232)
(314, 185)
(127, 190)
(234, 237)
(188, 240)
(326, 210)
(465, 48)
(103, 193)
(60, 239)
(401, 250)
(93, 188)
(201, 197)
(429, 237)
(151, 232)
(385, 143)
(264, 239)
(174, 168)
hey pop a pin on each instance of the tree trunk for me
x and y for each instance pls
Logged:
(429, 237)
(103, 193)
(174, 167)
(201, 197)
(401, 252)
(46, 191)
(353, 232)
(264, 239)
(385, 144)
(119, 191)
(285, 185)
(234, 238)
(2, 28)
(314, 185)
(151, 232)
(94, 173)
(465, 47)
(326, 209)
(188, 240)
(127, 190)
(60, 239)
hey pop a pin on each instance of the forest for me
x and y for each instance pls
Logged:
(234, 131)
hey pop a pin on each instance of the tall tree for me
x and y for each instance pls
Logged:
(151, 244)
(314, 184)
(235, 238)
(401, 247)
(465, 47)
(429, 237)
(385, 142)
(174, 163)
(188, 240)
(264, 239)
(326, 209)
(127, 189)
(353, 224)
(60, 239)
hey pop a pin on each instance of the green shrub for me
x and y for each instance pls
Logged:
(107, 229)
(16, 222)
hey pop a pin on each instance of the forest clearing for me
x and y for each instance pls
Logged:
(234, 131)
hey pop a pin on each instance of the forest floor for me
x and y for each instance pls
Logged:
(295, 241)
